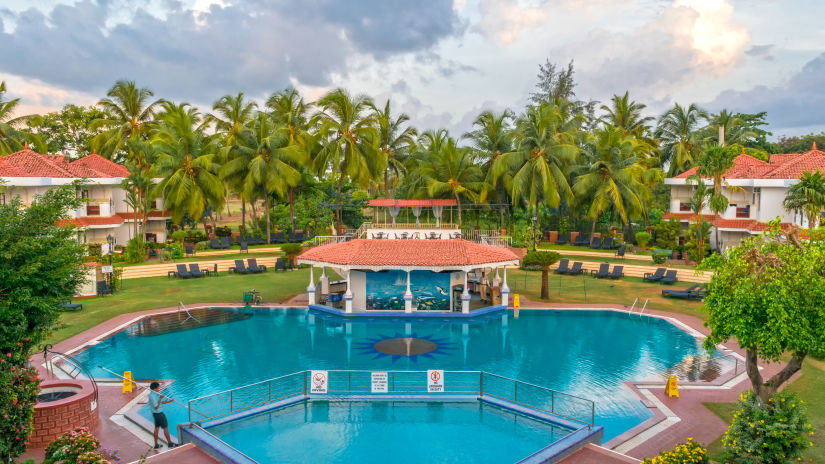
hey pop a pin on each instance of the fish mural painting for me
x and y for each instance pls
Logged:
(385, 290)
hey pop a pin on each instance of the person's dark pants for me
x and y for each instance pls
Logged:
(160, 420)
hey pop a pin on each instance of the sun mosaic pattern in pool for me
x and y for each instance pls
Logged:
(410, 346)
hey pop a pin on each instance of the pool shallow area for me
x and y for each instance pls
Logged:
(381, 431)
(583, 353)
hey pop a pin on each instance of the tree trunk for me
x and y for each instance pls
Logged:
(458, 201)
(292, 209)
(387, 182)
(716, 232)
(593, 229)
(545, 285)
(266, 203)
(243, 214)
(338, 217)
(765, 390)
(254, 214)
(228, 211)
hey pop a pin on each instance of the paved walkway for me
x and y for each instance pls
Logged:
(599, 254)
(162, 270)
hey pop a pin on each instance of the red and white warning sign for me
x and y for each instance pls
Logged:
(318, 382)
(435, 381)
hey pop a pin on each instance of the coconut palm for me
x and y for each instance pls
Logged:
(735, 130)
(545, 146)
(348, 141)
(186, 161)
(808, 195)
(140, 181)
(492, 137)
(680, 138)
(394, 142)
(613, 176)
(626, 114)
(697, 202)
(713, 163)
(12, 138)
(451, 173)
(129, 114)
(263, 153)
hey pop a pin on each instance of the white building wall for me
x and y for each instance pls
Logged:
(771, 205)
(358, 284)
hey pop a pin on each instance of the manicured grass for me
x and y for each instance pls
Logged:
(810, 388)
(632, 262)
(160, 292)
(200, 257)
(585, 289)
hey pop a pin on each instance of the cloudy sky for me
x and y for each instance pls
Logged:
(441, 61)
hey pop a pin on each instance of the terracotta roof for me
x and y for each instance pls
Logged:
(410, 203)
(152, 214)
(779, 166)
(28, 163)
(87, 221)
(751, 225)
(437, 253)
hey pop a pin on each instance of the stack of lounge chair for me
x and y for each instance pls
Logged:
(605, 273)
(655, 276)
(277, 237)
(596, 242)
(251, 268)
(576, 269)
(695, 292)
(607, 244)
(280, 264)
(563, 239)
(581, 240)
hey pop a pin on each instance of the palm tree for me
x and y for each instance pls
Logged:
(545, 146)
(735, 131)
(626, 114)
(713, 163)
(13, 139)
(492, 138)
(129, 114)
(452, 173)
(263, 151)
(186, 160)
(140, 181)
(680, 138)
(543, 259)
(613, 175)
(349, 138)
(697, 203)
(394, 142)
(808, 195)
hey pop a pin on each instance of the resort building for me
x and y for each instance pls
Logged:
(26, 174)
(755, 190)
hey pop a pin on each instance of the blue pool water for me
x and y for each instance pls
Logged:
(584, 353)
(377, 431)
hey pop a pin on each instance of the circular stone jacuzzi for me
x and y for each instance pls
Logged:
(62, 405)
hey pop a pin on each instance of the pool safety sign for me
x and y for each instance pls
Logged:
(435, 381)
(318, 382)
(379, 382)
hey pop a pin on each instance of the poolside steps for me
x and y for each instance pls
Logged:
(632, 270)
(160, 324)
(161, 270)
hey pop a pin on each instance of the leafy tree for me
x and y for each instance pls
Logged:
(642, 239)
(798, 143)
(736, 129)
(699, 231)
(394, 142)
(129, 114)
(769, 294)
(557, 83)
(491, 138)
(697, 240)
(12, 137)
(452, 173)
(680, 137)
(545, 259)
(807, 195)
(667, 234)
(626, 114)
(67, 130)
(713, 163)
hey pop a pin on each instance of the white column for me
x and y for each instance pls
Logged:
(408, 296)
(311, 287)
(496, 279)
(348, 296)
(465, 297)
(505, 290)
(324, 281)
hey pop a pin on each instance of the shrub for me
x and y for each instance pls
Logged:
(687, 452)
(135, 251)
(712, 261)
(175, 250)
(224, 231)
(201, 246)
(195, 236)
(667, 234)
(772, 432)
(179, 235)
(642, 239)
(17, 399)
(659, 258)
(78, 447)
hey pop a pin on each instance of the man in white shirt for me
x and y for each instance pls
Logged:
(156, 402)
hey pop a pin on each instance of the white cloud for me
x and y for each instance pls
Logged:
(37, 97)
(504, 21)
(715, 35)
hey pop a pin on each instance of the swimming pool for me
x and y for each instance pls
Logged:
(583, 353)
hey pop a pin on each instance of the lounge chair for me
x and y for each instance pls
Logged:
(69, 306)
(618, 272)
(604, 271)
(620, 253)
(190, 250)
(562, 269)
(576, 269)
(279, 237)
(582, 240)
(226, 242)
(244, 247)
(694, 292)
(258, 240)
(655, 276)
(596, 242)
(296, 237)
(195, 271)
(669, 278)
(239, 267)
(182, 272)
(252, 265)
(607, 244)
(280, 264)
(215, 243)
(562, 240)
(213, 271)
(103, 288)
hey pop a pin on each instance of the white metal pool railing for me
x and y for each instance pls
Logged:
(359, 382)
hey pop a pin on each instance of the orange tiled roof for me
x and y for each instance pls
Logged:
(751, 225)
(779, 166)
(152, 214)
(28, 163)
(410, 203)
(102, 166)
(440, 253)
(86, 221)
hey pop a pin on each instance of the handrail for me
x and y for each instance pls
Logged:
(78, 368)
(215, 437)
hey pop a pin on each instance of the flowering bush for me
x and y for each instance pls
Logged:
(78, 447)
(17, 398)
(772, 432)
(684, 453)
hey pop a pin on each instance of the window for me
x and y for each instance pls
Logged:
(684, 206)
(84, 194)
(92, 210)
(743, 211)
(2, 198)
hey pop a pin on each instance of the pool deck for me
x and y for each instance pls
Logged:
(673, 421)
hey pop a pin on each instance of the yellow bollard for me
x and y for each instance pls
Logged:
(516, 302)
(127, 382)
(672, 388)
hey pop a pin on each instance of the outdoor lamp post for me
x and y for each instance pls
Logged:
(535, 220)
(111, 241)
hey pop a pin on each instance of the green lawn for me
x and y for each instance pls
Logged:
(200, 257)
(811, 388)
(585, 289)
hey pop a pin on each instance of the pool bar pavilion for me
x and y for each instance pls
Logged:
(409, 275)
